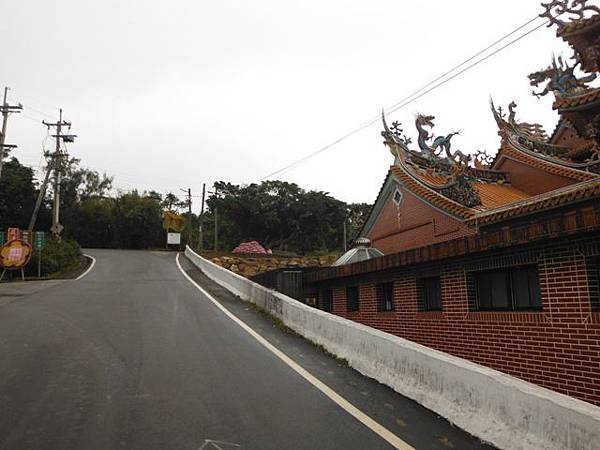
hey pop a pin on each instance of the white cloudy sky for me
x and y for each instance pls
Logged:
(171, 94)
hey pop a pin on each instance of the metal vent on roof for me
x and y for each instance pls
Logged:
(361, 252)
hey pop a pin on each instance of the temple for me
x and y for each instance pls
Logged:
(494, 259)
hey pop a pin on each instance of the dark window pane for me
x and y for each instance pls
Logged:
(352, 298)
(484, 290)
(327, 300)
(432, 294)
(526, 288)
(500, 293)
(385, 297)
(492, 290)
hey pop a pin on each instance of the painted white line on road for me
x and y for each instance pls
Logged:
(88, 269)
(374, 426)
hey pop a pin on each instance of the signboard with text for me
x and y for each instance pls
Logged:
(13, 234)
(15, 254)
(38, 240)
(173, 238)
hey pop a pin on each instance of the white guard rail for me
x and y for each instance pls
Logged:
(503, 410)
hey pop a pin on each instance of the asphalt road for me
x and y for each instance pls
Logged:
(133, 356)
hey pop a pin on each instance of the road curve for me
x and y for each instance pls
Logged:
(133, 356)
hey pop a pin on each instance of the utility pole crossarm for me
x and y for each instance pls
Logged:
(6, 109)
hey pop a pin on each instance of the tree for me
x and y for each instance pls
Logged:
(17, 194)
(137, 222)
(280, 215)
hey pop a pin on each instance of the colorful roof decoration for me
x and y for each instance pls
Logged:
(579, 25)
(250, 247)
(449, 179)
(470, 186)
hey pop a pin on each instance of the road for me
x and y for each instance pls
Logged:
(133, 356)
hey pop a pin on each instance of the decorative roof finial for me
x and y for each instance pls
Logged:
(561, 79)
(556, 8)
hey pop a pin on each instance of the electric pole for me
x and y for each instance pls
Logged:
(216, 226)
(201, 220)
(58, 167)
(188, 191)
(6, 110)
(215, 213)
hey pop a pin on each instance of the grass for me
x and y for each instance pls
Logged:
(277, 322)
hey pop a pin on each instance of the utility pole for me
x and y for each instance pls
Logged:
(215, 212)
(188, 191)
(201, 220)
(216, 227)
(57, 165)
(345, 235)
(6, 110)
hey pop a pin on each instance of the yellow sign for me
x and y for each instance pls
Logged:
(173, 221)
(15, 254)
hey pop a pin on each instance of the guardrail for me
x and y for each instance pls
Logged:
(503, 410)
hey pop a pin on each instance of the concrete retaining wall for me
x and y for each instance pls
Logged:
(498, 408)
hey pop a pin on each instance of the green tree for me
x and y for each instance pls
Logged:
(17, 194)
(137, 221)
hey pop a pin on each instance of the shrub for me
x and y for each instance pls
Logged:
(59, 256)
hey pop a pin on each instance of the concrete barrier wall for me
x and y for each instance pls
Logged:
(508, 412)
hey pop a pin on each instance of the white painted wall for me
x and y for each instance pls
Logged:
(506, 411)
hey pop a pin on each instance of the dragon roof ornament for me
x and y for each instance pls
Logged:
(510, 125)
(561, 80)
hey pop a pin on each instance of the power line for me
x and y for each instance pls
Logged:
(421, 92)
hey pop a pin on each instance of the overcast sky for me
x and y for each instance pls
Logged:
(170, 94)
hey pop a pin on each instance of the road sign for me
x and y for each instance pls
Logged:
(26, 236)
(15, 254)
(39, 240)
(56, 229)
(173, 238)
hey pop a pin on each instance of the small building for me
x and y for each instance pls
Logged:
(493, 259)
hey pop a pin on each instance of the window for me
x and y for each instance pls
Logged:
(385, 296)
(593, 273)
(352, 298)
(508, 289)
(397, 197)
(429, 294)
(327, 300)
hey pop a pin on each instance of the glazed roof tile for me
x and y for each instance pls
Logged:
(552, 199)
(495, 195)
(577, 100)
(431, 196)
(537, 161)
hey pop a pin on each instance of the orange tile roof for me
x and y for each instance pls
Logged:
(431, 196)
(435, 180)
(550, 167)
(496, 195)
(579, 191)
(578, 100)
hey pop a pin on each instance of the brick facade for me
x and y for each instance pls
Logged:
(413, 223)
(557, 347)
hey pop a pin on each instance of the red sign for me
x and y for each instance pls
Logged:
(12, 234)
(15, 254)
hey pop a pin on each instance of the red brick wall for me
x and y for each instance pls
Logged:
(530, 179)
(558, 348)
(413, 224)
